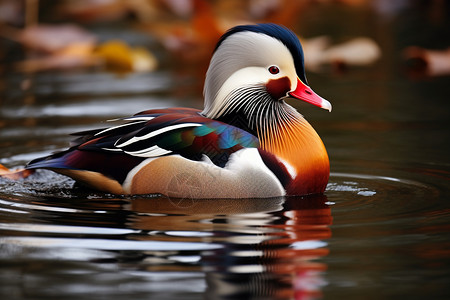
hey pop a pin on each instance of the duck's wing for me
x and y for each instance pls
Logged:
(115, 150)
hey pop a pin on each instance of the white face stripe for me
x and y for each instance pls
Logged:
(245, 50)
(157, 132)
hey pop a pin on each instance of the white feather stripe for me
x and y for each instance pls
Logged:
(153, 151)
(138, 118)
(116, 127)
(134, 118)
(113, 149)
(155, 133)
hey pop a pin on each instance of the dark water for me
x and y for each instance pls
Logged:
(381, 231)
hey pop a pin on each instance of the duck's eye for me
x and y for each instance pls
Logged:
(274, 70)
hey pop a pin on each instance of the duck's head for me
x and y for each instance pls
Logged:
(253, 69)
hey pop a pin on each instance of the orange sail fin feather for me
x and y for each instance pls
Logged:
(247, 142)
(302, 152)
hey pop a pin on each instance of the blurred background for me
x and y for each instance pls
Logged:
(65, 65)
(380, 231)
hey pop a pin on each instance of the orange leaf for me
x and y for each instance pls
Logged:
(14, 174)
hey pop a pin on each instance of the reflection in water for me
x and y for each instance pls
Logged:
(229, 249)
(268, 245)
(384, 227)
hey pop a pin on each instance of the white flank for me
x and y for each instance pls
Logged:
(251, 168)
(244, 176)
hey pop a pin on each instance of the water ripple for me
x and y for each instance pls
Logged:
(106, 244)
(62, 229)
(371, 199)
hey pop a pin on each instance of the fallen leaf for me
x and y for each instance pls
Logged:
(143, 60)
(119, 56)
(14, 174)
(116, 55)
(52, 38)
(75, 55)
(93, 10)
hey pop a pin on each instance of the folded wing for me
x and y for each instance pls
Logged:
(115, 150)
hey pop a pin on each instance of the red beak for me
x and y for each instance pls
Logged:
(305, 93)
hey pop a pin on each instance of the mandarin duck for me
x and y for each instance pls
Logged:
(247, 142)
